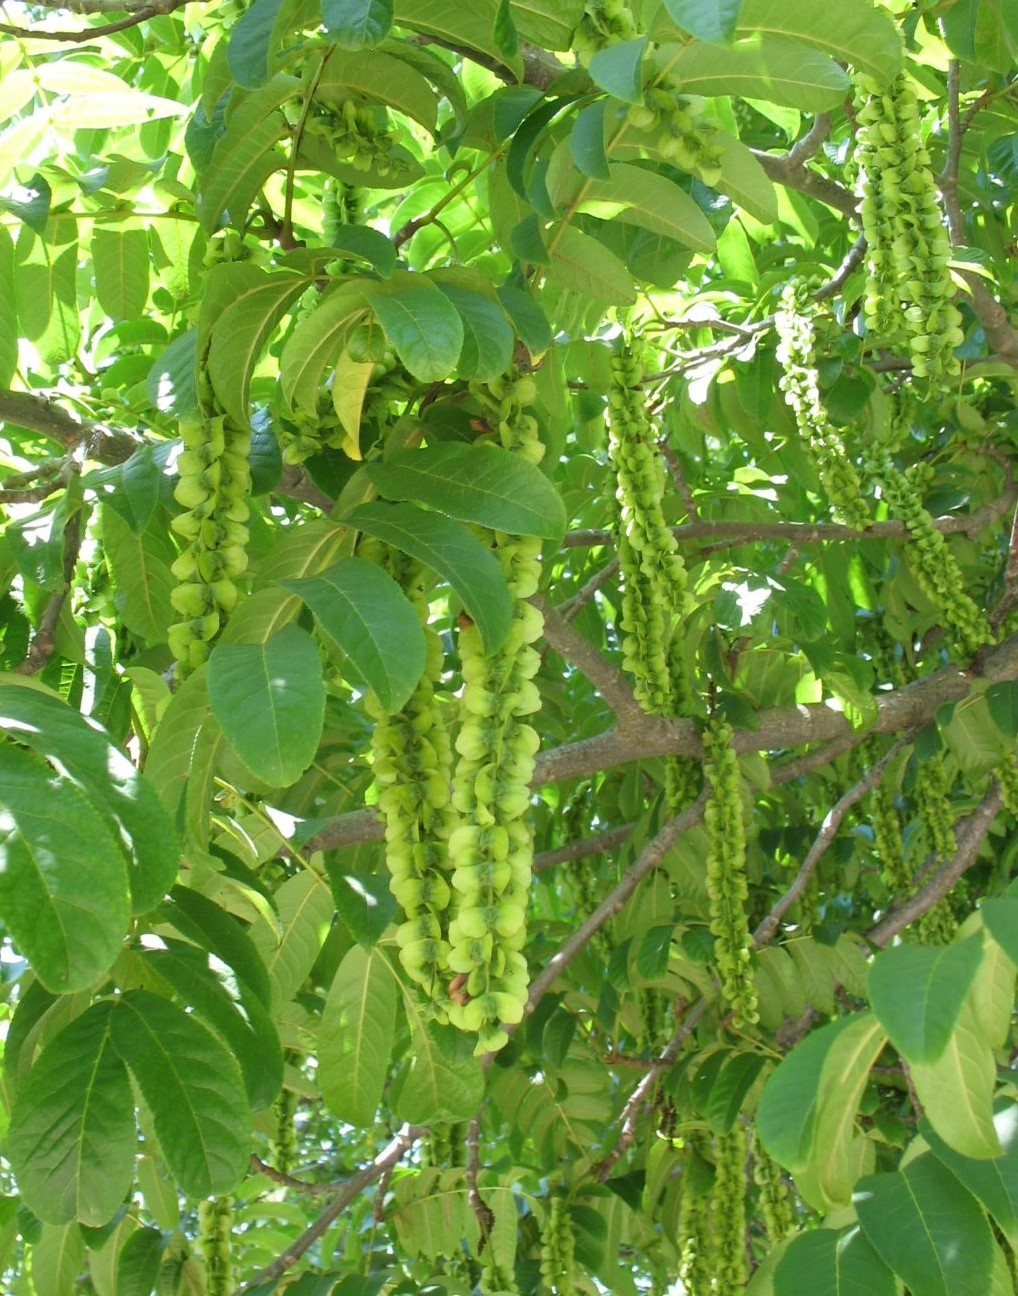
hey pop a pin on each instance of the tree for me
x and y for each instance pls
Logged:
(511, 663)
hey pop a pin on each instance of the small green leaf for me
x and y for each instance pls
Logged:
(121, 260)
(487, 336)
(8, 310)
(775, 70)
(918, 992)
(355, 1036)
(618, 69)
(422, 325)
(171, 380)
(709, 20)
(475, 483)
(210, 927)
(72, 1140)
(269, 700)
(452, 552)
(586, 141)
(304, 909)
(138, 1262)
(364, 904)
(927, 1229)
(250, 39)
(528, 318)
(367, 245)
(193, 1088)
(363, 610)
(504, 31)
(585, 266)
(653, 952)
(357, 24)
(1002, 701)
(993, 1182)
(728, 1092)
(57, 1254)
(956, 1090)
(855, 31)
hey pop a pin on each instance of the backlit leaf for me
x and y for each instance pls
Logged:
(355, 1036)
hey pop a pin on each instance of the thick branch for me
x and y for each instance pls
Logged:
(606, 677)
(795, 176)
(40, 414)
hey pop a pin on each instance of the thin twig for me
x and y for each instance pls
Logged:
(583, 596)
(483, 1213)
(86, 34)
(580, 849)
(258, 1166)
(828, 831)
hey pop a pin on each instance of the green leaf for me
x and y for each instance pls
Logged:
(441, 1081)
(769, 68)
(728, 1092)
(380, 78)
(193, 1088)
(586, 141)
(355, 1036)
(992, 1182)
(843, 1078)
(528, 319)
(487, 336)
(708, 20)
(618, 69)
(637, 196)
(744, 180)
(504, 31)
(927, 1229)
(269, 700)
(258, 301)
(367, 245)
(138, 1262)
(585, 266)
(8, 311)
(829, 1262)
(141, 479)
(1002, 702)
(203, 921)
(1000, 915)
(246, 155)
(304, 909)
(918, 992)
(63, 880)
(956, 1090)
(364, 904)
(422, 325)
(234, 1013)
(139, 567)
(362, 609)
(316, 342)
(786, 1116)
(121, 260)
(249, 42)
(474, 483)
(453, 23)
(453, 553)
(357, 24)
(171, 380)
(72, 1139)
(84, 754)
(56, 1259)
(854, 31)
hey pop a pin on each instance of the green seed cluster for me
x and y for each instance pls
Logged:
(358, 135)
(772, 1197)
(283, 1149)
(1006, 774)
(680, 130)
(653, 573)
(412, 754)
(341, 206)
(933, 563)
(697, 1242)
(229, 245)
(604, 23)
(888, 843)
(797, 354)
(491, 848)
(302, 433)
(908, 286)
(558, 1274)
(213, 485)
(215, 1227)
(726, 871)
(933, 803)
(728, 1211)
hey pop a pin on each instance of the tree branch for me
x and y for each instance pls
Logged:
(609, 681)
(582, 847)
(153, 9)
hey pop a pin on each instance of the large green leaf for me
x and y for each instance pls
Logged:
(8, 310)
(487, 335)
(381, 77)
(121, 259)
(258, 300)
(138, 1262)
(1001, 918)
(247, 51)
(84, 754)
(362, 609)
(786, 1117)
(956, 1090)
(63, 881)
(355, 1036)
(192, 1086)
(474, 483)
(761, 68)
(452, 551)
(709, 20)
(210, 927)
(246, 155)
(72, 1139)
(927, 1228)
(442, 1081)
(855, 31)
(918, 992)
(316, 342)
(618, 68)
(993, 1182)
(585, 266)
(844, 1076)
(638, 196)
(181, 759)
(56, 1259)
(139, 567)
(357, 24)
(269, 700)
(454, 23)
(829, 1262)
(422, 325)
(234, 1012)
